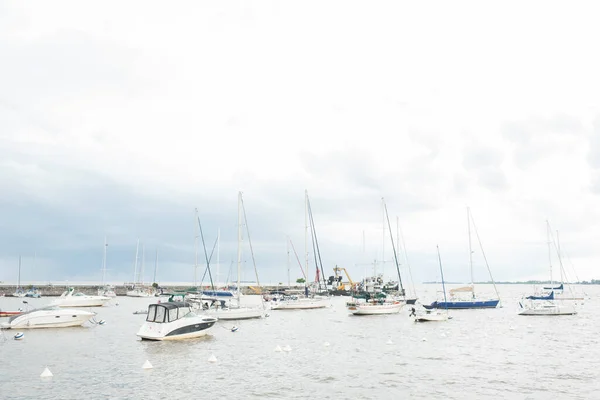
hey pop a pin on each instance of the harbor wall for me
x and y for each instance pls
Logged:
(120, 290)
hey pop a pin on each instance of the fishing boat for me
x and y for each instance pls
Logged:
(174, 321)
(71, 298)
(465, 297)
(49, 317)
(430, 315)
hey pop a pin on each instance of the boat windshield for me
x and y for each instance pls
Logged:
(167, 312)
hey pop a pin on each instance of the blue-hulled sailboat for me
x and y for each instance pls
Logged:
(464, 297)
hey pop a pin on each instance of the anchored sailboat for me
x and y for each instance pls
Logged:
(236, 311)
(309, 301)
(458, 300)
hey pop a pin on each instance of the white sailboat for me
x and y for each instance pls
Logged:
(19, 292)
(139, 290)
(308, 302)
(236, 311)
(382, 303)
(429, 315)
(105, 289)
(552, 300)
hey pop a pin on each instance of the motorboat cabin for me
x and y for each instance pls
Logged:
(174, 320)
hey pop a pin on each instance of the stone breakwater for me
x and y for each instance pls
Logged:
(120, 290)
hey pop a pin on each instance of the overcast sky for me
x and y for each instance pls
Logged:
(118, 118)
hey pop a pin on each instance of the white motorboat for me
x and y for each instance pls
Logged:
(140, 291)
(429, 315)
(70, 298)
(300, 303)
(107, 291)
(376, 307)
(234, 313)
(174, 321)
(49, 317)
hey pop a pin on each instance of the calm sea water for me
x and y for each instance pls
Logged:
(478, 354)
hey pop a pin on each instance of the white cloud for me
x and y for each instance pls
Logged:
(433, 108)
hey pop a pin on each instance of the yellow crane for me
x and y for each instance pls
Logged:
(341, 286)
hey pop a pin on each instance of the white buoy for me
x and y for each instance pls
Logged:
(19, 336)
(212, 358)
(147, 365)
(389, 341)
(278, 348)
(424, 340)
(287, 348)
(326, 344)
(46, 373)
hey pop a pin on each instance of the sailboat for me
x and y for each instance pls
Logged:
(432, 314)
(138, 289)
(19, 292)
(219, 309)
(309, 301)
(464, 297)
(105, 289)
(382, 303)
(551, 301)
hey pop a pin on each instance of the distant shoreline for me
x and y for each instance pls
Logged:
(592, 282)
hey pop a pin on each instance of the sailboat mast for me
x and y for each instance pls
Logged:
(287, 247)
(470, 252)
(400, 286)
(155, 266)
(104, 262)
(549, 250)
(562, 278)
(383, 237)
(306, 236)
(137, 247)
(442, 274)
(195, 247)
(143, 264)
(19, 277)
(218, 254)
(239, 248)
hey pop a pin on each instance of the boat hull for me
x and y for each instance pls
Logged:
(300, 304)
(463, 305)
(91, 301)
(59, 318)
(186, 328)
(236, 313)
(549, 311)
(376, 309)
(431, 317)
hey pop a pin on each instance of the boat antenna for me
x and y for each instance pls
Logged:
(394, 248)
